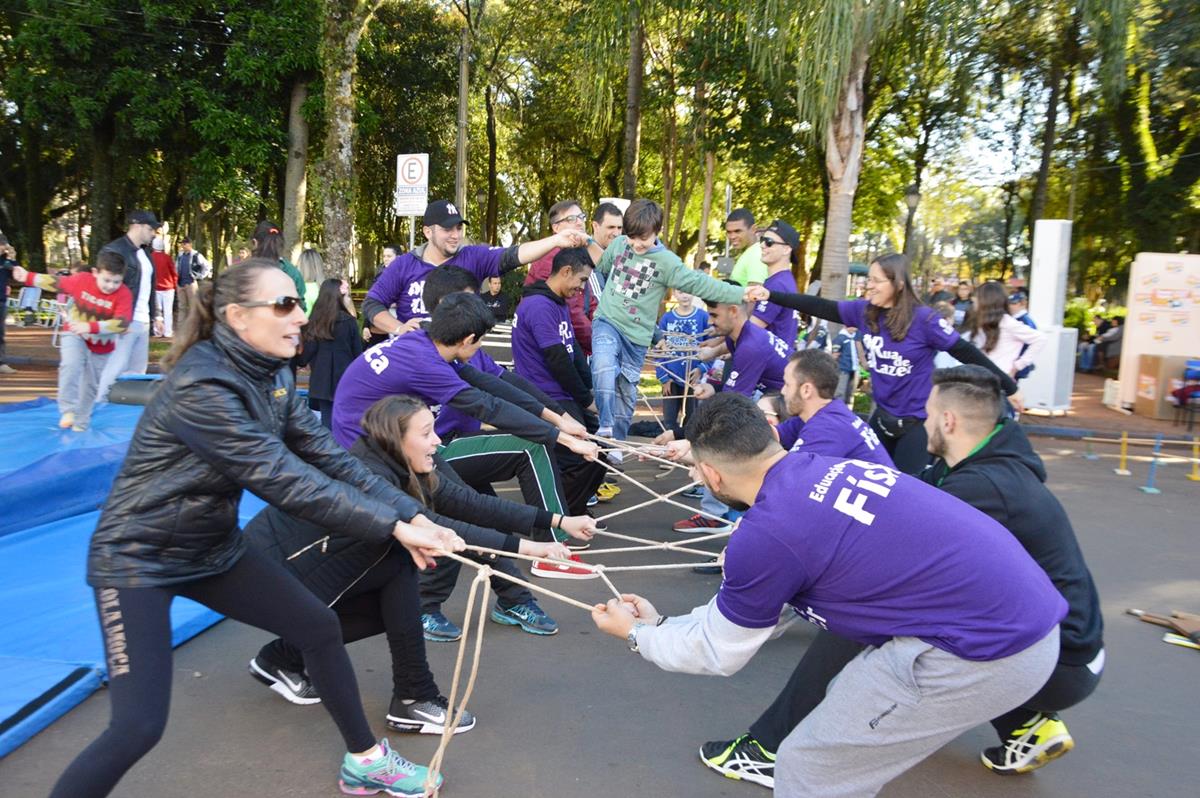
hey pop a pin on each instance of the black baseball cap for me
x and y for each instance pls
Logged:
(144, 217)
(786, 233)
(443, 213)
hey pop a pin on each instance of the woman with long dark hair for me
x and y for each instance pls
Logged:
(227, 419)
(373, 587)
(900, 337)
(330, 344)
(1012, 345)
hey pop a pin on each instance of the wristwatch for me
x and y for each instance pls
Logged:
(631, 638)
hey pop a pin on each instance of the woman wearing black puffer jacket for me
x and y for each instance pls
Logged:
(227, 419)
(373, 587)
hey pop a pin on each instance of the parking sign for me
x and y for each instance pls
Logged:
(412, 184)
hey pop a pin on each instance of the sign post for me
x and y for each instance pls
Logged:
(412, 190)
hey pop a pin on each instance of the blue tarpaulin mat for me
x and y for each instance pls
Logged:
(47, 473)
(51, 484)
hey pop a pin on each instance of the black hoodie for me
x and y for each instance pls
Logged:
(1005, 479)
(569, 371)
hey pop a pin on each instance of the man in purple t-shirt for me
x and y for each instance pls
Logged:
(821, 423)
(960, 623)
(779, 242)
(403, 281)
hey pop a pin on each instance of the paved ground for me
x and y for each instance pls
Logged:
(578, 715)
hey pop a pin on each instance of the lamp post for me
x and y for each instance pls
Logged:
(912, 197)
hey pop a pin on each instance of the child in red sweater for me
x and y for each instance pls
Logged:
(100, 310)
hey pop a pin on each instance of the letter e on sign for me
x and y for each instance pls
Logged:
(412, 184)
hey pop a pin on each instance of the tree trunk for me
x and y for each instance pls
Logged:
(345, 21)
(464, 86)
(800, 269)
(1038, 204)
(843, 161)
(710, 164)
(295, 182)
(34, 218)
(102, 185)
(633, 105)
(669, 148)
(491, 222)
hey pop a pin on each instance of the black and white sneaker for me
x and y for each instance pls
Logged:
(292, 685)
(425, 717)
(743, 759)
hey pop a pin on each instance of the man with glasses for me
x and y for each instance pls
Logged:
(402, 283)
(743, 238)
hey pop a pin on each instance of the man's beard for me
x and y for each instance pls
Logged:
(937, 443)
(728, 501)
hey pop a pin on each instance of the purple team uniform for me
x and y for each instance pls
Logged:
(901, 371)
(408, 364)
(452, 422)
(402, 283)
(757, 362)
(783, 323)
(540, 323)
(870, 554)
(834, 431)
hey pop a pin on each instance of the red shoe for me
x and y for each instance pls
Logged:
(702, 525)
(558, 569)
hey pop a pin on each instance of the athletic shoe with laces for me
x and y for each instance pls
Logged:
(425, 717)
(389, 773)
(292, 685)
(593, 500)
(702, 525)
(438, 628)
(562, 569)
(694, 492)
(1041, 739)
(527, 615)
(743, 759)
(607, 491)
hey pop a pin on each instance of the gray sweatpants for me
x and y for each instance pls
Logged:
(894, 705)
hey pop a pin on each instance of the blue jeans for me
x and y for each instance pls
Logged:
(616, 369)
(78, 377)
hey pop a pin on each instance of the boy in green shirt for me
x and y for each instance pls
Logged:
(639, 269)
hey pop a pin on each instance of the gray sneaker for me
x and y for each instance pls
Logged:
(425, 717)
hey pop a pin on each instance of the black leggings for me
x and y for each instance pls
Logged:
(384, 601)
(137, 642)
(908, 451)
(829, 653)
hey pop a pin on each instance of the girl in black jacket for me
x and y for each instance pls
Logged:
(373, 587)
(330, 343)
(227, 419)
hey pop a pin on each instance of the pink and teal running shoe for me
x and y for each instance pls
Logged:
(389, 773)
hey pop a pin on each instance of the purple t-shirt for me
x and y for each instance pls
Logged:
(782, 322)
(870, 554)
(452, 422)
(407, 364)
(834, 431)
(540, 322)
(403, 281)
(757, 363)
(901, 371)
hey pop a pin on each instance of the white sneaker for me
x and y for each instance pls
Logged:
(67, 420)
(7, 369)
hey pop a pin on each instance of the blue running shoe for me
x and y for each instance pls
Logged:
(439, 628)
(390, 773)
(527, 615)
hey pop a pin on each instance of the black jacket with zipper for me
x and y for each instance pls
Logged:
(227, 419)
(133, 271)
(329, 562)
(1006, 479)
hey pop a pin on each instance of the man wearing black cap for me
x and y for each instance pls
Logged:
(403, 281)
(780, 249)
(132, 351)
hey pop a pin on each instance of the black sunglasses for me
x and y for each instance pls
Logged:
(770, 242)
(282, 305)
